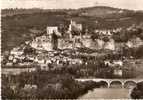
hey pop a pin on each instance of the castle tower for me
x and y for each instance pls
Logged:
(54, 40)
(70, 29)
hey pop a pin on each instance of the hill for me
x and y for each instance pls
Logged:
(16, 23)
(102, 11)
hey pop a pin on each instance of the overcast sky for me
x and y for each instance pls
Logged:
(56, 4)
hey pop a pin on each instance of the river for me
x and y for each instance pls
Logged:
(107, 93)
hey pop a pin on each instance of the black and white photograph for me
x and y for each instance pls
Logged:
(71, 49)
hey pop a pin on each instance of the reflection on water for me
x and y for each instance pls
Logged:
(107, 93)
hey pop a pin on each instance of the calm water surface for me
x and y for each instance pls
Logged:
(107, 93)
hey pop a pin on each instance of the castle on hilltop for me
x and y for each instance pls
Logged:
(53, 39)
(72, 38)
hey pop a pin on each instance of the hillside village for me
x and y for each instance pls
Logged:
(72, 47)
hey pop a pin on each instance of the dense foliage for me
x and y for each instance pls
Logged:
(49, 86)
(125, 35)
(137, 92)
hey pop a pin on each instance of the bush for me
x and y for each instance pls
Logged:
(7, 93)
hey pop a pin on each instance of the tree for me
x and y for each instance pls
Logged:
(139, 52)
(95, 36)
(7, 92)
(137, 92)
(141, 35)
(105, 39)
(29, 50)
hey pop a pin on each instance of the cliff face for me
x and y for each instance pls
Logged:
(110, 45)
(45, 43)
(65, 44)
(88, 43)
(99, 43)
(42, 43)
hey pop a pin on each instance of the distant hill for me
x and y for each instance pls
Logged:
(98, 11)
(105, 12)
(101, 11)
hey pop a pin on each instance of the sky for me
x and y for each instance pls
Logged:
(74, 4)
